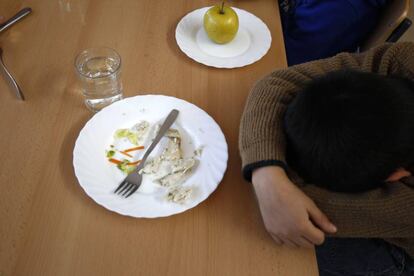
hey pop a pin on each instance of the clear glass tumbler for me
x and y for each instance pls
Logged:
(99, 71)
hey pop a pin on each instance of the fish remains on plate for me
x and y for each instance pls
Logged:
(170, 169)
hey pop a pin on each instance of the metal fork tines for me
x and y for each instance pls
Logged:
(127, 188)
(134, 180)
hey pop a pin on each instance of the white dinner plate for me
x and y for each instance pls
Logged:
(251, 43)
(99, 178)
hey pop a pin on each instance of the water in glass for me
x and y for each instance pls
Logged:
(99, 72)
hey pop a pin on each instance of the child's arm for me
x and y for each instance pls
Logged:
(386, 212)
(381, 213)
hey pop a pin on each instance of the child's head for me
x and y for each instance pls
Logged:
(348, 131)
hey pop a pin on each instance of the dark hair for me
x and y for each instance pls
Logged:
(348, 131)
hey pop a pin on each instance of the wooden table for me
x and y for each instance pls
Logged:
(48, 225)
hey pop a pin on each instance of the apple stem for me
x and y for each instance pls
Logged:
(222, 7)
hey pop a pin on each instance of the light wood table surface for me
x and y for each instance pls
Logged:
(48, 225)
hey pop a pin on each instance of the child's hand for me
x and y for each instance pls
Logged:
(290, 216)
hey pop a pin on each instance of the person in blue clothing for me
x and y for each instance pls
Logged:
(315, 29)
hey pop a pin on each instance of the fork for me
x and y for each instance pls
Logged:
(10, 77)
(132, 182)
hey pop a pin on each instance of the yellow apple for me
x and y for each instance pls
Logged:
(221, 24)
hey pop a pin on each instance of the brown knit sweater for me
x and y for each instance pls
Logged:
(386, 213)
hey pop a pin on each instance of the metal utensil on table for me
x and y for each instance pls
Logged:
(22, 13)
(5, 25)
(10, 78)
(132, 182)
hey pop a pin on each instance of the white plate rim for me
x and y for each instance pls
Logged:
(226, 63)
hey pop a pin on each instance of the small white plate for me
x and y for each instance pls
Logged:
(99, 178)
(251, 43)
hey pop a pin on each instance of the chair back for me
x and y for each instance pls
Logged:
(392, 24)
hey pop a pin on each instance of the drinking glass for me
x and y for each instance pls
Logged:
(99, 71)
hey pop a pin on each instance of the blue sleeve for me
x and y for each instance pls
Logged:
(315, 29)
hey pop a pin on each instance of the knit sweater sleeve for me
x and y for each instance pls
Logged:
(381, 213)
(262, 139)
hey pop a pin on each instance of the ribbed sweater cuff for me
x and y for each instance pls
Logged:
(248, 170)
(259, 154)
